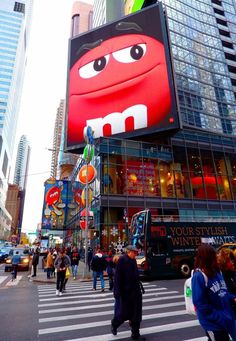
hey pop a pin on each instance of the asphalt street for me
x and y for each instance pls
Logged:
(31, 311)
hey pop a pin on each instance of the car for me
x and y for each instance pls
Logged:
(4, 252)
(24, 261)
(231, 246)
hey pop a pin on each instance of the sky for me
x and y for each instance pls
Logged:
(44, 86)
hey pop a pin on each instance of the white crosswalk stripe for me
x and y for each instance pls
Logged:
(85, 315)
(2, 279)
(14, 282)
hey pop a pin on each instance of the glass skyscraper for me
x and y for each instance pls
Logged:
(203, 39)
(15, 18)
(190, 174)
(22, 163)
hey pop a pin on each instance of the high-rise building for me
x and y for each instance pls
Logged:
(16, 192)
(57, 137)
(189, 174)
(82, 14)
(13, 206)
(105, 11)
(22, 163)
(15, 20)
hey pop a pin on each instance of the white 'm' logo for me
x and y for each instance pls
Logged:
(117, 120)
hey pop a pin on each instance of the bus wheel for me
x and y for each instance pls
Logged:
(185, 269)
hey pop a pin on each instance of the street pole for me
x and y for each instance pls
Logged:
(86, 225)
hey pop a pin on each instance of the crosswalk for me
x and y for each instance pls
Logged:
(7, 280)
(85, 315)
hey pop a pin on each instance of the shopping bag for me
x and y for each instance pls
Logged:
(67, 273)
(189, 306)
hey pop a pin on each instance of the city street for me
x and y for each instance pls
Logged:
(84, 315)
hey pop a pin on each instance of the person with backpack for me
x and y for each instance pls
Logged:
(62, 262)
(98, 265)
(210, 296)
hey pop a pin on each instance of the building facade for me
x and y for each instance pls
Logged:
(57, 135)
(15, 19)
(13, 206)
(105, 11)
(22, 163)
(82, 18)
(189, 175)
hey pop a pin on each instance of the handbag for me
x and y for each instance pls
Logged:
(67, 273)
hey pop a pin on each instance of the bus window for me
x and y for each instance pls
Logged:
(159, 248)
(138, 225)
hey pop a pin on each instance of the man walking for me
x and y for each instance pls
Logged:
(127, 293)
(75, 257)
(98, 265)
(15, 262)
(35, 262)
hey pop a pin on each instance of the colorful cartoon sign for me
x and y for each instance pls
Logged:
(120, 79)
(62, 200)
(83, 176)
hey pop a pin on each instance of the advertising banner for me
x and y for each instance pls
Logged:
(62, 200)
(120, 79)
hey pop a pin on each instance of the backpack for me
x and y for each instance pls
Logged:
(189, 306)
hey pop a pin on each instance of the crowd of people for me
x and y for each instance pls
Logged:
(122, 275)
(213, 286)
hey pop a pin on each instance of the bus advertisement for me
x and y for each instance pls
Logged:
(168, 248)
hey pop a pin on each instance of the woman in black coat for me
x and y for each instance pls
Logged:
(127, 293)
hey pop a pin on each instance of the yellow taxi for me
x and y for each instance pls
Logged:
(231, 246)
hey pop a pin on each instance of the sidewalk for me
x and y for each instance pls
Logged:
(42, 276)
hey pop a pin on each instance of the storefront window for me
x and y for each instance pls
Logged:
(231, 168)
(196, 175)
(166, 180)
(151, 178)
(135, 177)
(222, 178)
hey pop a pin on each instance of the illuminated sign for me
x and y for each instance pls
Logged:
(120, 80)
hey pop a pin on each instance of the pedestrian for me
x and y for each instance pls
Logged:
(98, 265)
(35, 261)
(62, 262)
(226, 262)
(15, 263)
(49, 263)
(110, 270)
(54, 256)
(211, 298)
(90, 257)
(75, 258)
(127, 293)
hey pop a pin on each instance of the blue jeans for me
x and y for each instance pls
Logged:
(49, 272)
(74, 270)
(100, 275)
